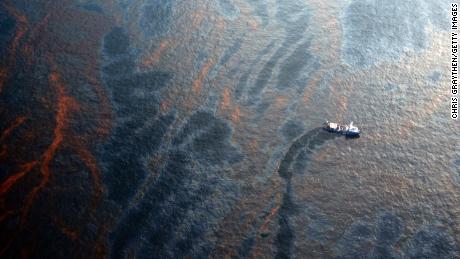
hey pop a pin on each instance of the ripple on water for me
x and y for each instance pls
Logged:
(382, 30)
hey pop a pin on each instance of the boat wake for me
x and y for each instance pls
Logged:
(302, 148)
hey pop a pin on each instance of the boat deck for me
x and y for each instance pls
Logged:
(348, 130)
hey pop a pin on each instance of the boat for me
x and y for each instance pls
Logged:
(348, 130)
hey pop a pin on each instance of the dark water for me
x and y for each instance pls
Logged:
(189, 129)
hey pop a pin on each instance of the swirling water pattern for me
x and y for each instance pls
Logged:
(189, 129)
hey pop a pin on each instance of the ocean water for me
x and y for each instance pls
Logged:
(191, 129)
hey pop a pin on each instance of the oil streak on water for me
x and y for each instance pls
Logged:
(189, 129)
